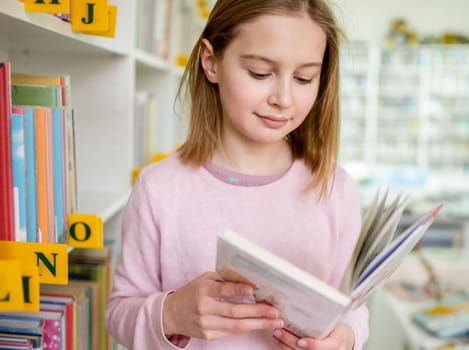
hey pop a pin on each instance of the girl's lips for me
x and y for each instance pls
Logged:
(272, 122)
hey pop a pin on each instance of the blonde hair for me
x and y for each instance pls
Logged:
(316, 140)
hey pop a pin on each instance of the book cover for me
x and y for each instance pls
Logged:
(21, 324)
(35, 340)
(94, 265)
(145, 128)
(31, 188)
(75, 295)
(93, 312)
(6, 180)
(36, 95)
(71, 178)
(309, 305)
(58, 164)
(448, 317)
(66, 303)
(95, 273)
(62, 81)
(161, 28)
(51, 91)
(52, 324)
(145, 22)
(33, 79)
(52, 306)
(19, 173)
(15, 344)
(50, 176)
(44, 174)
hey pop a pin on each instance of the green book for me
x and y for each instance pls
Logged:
(36, 95)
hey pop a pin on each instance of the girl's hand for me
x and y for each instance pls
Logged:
(199, 309)
(341, 338)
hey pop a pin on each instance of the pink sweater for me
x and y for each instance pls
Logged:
(169, 237)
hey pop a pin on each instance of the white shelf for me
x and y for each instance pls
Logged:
(105, 74)
(407, 95)
(41, 32)
(104, 205)
(149, 61)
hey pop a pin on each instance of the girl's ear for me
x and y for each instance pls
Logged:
(208, 61)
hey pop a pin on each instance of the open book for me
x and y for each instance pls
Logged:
(309, 305)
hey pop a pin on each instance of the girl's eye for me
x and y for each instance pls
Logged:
(303, 81)
(258, 76)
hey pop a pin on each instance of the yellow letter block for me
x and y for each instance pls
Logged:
(30, 279)
(90, 15)
(111, 32)
(11, 288)
(50, 258)
(49, 6)
(85, 231)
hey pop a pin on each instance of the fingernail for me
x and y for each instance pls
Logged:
(278, 324)
(277, 333)
(302, 343)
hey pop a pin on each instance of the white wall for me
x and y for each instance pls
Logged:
(369, 20)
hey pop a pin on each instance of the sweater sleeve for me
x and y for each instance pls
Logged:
(134, 308)
(358, 320)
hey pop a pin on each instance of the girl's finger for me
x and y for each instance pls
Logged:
(223, 289)
(281, 345)
(236, 326)
(244, 310)
(287, 338)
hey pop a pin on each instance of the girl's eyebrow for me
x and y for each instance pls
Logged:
(272, 62)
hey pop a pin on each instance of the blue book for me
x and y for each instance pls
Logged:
(58, 157)
(448, 317)
(19, 175)
(22, 325)
(31, 189)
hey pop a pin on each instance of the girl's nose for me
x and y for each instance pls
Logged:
(281, 94)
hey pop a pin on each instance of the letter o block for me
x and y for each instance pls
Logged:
(85, 231)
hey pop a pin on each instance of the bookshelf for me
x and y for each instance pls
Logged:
(105, 75)
(406, 107)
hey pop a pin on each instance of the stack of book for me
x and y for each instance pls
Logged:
(71, 316)
(38, 162)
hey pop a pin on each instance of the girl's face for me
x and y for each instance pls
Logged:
(268, 77)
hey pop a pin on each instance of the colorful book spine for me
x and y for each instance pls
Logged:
(64, 173)
(44, 175)
(6, 181)
(31, 188)
(57, 140)
(19, 173)
(68, 325)
(50, 178)
(72, 188)
(36, 95)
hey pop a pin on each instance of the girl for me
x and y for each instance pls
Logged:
(260, 158)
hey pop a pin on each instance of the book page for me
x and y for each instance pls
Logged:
(346, 284)
(385, 263)
(381, 236)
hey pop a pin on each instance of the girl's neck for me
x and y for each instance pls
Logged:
(263, 161)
